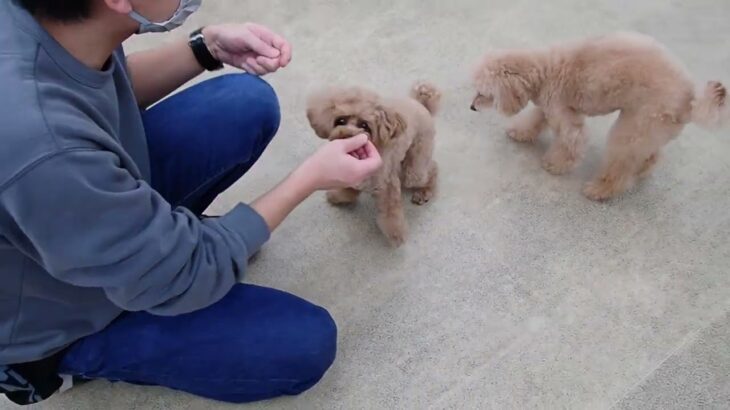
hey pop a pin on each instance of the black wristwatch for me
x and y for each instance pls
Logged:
(202, 54)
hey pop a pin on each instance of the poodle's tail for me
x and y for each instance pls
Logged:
(711, 110)
(428, 95)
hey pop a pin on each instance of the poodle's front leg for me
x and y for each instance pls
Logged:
(569, 144)
(528, 126)
(391, 219)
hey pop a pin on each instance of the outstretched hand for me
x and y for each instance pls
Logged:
(249, 46)
(341, 164)
(338, 164)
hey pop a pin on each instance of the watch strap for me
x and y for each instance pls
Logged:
(201, 52)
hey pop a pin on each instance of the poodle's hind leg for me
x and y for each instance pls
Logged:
(568, 147)
(420, 171)
(665, 134)
(633, 149)
(528, 126)
(618, 173)
(391, 220)
(648, 166)
(424, 193)
(344, 196)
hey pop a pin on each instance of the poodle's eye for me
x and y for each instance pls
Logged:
(364, 126)
(340, 121)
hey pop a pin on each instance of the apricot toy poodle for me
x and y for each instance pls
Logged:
(626, 72)
(403, 131)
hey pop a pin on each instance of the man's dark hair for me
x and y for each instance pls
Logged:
(60, 10)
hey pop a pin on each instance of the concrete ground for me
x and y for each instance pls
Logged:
(513, 291)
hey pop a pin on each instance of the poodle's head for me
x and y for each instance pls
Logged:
(346, 112)
(503, 81)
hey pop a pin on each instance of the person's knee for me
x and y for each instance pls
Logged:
(317, 355)
(254, 102)
(288, 346)
(307, 357)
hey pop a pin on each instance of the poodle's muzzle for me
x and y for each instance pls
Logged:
(347, 131)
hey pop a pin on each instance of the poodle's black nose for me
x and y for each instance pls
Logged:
(473, 108)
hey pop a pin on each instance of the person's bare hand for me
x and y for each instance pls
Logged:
(341, 164)
(249, 46)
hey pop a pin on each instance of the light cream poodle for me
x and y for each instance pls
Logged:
(403, 131)
(626, 72)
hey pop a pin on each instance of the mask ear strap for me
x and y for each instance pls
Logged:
(144, 22)
(139, 18)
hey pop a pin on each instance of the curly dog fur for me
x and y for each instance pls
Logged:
(403, 131)
(627, 72)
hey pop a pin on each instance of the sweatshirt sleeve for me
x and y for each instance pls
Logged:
(90, 223)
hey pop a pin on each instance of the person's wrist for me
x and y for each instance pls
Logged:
(303, 181)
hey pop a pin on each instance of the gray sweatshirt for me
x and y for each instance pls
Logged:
(83, 236)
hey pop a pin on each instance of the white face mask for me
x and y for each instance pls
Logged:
(184, 10)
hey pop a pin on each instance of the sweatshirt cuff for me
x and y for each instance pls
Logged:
(246, 222)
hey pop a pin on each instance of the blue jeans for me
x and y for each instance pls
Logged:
(254, 344)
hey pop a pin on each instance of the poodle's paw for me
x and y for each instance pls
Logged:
(599, 190)
(557, 164)
(396, 239)
(394, 228)
(341, 197)
(522, 135)
(717, 91)
(421, 196)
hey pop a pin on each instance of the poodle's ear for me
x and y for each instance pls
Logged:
(512, 92)
(390, 124)
(320, 113)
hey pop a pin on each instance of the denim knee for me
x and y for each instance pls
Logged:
(253, 102)
(288, 346)
(316, 356)
(297, 365)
